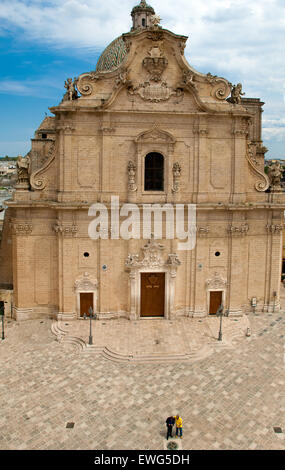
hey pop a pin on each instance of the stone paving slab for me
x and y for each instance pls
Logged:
(185, 339)
(232, 399)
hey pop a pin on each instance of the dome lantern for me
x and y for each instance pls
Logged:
(141, 15)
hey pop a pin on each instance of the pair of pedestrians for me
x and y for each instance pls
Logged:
(177, 420)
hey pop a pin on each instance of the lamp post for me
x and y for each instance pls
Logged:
(220, 313)
(92, 317)
(2, 316)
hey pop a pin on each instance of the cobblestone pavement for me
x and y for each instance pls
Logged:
(231, 399)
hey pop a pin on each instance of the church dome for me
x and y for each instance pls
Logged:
(113, 56)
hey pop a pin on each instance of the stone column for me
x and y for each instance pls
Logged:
(275, 237)
(23, 269)
(239, 132)
(237, 286)
(65, 168)
(67, 301)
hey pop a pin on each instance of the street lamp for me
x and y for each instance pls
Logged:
(92, 317)
(2, 316)
(220, 313)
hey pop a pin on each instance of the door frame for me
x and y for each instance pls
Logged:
(165, 296)
(86, 285)
(209, 298)
(135, 292)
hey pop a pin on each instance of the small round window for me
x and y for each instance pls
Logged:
(86, 254)
(217, 253)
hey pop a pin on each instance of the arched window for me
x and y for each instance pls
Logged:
(154, 172)
(143, 22)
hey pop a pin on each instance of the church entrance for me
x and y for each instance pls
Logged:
(86, 301)
(215, 301)
(152, 294)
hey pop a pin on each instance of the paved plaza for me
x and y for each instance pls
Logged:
(118, 393)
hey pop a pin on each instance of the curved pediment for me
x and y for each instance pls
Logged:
(155, 71)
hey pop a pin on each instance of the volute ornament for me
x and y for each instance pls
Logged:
(38, 182)
(263, 184)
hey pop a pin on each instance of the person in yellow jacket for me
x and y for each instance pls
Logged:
(178, 422)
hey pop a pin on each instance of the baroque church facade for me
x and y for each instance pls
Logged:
(145, 126)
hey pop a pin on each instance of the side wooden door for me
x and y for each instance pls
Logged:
(86, 301)
(215, 301)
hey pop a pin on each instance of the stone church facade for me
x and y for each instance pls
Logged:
(148, 128)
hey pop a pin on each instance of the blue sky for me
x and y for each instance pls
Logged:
(44, 42)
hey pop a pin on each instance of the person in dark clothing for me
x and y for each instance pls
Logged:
(169, 424)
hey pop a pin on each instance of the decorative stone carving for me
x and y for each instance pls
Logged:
(155, 20)
(152, 257)
(152, 254)
(236, 94)
(23, 171)
(221, 86)
(155, 35)
(155, 63)
(262, 185)
(132, 261)
(188, 80)
(21, 228)
(132, 176)
(153, 92)
(158, 136)
(37, 181)
(154, 89)
(122, 79)
(202, 231)
(238, 230)
(176, 170)
(182, 46)
(86, 81)
(217, 282)
(275, 175)
(71, 93)
(85, 283)
(275, 229)
(65, 229)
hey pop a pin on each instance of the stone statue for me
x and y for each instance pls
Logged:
(275, 175)
(71, 93)
(236, 94)
(23, 172)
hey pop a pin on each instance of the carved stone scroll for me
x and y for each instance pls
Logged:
(37, 181)
(263, 184)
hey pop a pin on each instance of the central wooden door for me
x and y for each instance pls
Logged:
(215, 301)
(86, 301)
(152, 294)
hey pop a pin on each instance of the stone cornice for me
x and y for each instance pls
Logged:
(73, 205)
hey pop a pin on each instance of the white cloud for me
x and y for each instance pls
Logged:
(40, 88)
